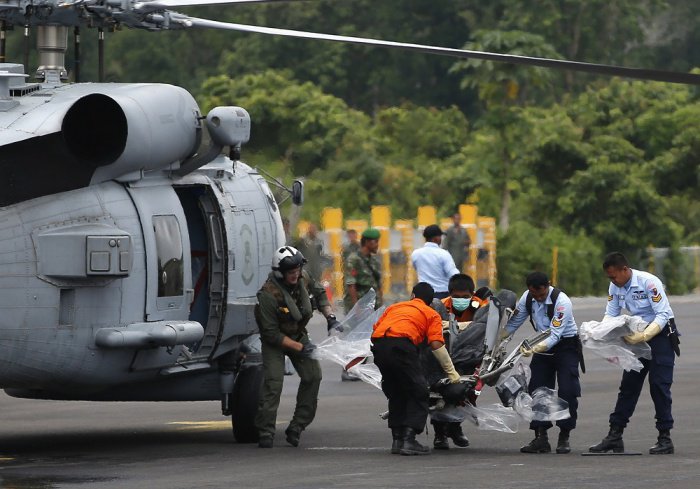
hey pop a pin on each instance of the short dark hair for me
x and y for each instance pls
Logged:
(615, 259)
(423, 291)
(537, 280)
(460, 281)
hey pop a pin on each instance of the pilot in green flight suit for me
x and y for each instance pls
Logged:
(283, 311)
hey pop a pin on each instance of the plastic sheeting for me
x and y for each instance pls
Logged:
(518, 405)
(352, 346)
(604, 338)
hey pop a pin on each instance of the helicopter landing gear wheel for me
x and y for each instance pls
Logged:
(245, 396)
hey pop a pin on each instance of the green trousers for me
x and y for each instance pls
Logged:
(307, 396)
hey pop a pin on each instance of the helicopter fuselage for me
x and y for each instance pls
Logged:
(130, 282)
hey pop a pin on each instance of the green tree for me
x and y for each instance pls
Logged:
(526, 248)
(293, 122)
(503, 89)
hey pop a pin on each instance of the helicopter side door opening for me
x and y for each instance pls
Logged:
(208, 265)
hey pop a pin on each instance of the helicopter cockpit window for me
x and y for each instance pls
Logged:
(170, 262)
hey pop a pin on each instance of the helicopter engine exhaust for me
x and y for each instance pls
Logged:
(112, 132)
(95, 143)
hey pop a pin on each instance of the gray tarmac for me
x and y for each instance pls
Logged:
(54, 444)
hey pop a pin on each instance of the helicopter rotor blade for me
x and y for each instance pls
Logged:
(204, 3)
(601, 69)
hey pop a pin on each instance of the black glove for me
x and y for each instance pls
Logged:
(307, 350)
(334, 324)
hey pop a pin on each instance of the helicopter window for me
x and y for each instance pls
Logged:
(170, 262)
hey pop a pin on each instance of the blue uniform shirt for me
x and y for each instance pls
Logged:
(562, 324)
(434, 265)
(642, 296)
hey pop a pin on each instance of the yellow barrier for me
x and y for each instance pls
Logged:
(478, 227)
(332, 223)
(426, 216)
(381, 220)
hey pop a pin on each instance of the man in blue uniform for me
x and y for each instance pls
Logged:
(642, 294)
(555, 358)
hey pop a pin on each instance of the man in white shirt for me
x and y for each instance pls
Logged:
(433, 264)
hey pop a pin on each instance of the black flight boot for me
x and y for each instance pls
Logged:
(292, 436)
(440, 442)
(396, 442)
(540, 444)
(563, 442)
(664, 445)
(611, 442)
(265, 441)
(454, 431)
(409, 444)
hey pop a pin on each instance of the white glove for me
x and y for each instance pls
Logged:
(445, 362)
(649, 332)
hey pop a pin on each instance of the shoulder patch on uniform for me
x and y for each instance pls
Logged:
(610, 298)
(655, 294)
(561, 309)
(558, 319)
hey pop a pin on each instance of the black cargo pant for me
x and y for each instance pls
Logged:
(660, 371)
(403, 382)
(560, 364)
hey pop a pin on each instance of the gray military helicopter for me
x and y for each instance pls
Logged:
(131, 252)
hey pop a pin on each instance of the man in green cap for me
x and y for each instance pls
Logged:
(363, 271)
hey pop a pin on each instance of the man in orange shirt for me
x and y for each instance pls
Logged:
(395, 340)
(463, 304)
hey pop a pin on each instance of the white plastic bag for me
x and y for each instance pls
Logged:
(604, 338)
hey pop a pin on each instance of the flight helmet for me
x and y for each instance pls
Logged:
(286, 258)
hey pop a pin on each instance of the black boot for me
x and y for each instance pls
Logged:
(664, 445)
(409, 444)
(292, 436)
(611, 442)
(440, 442)
(454, 431)
(396, 442)
(265, 441)
(563, 442)
(540, 444)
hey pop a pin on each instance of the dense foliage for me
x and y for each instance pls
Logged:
(587, 164)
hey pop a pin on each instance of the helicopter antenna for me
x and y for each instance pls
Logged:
(76, 50)
(100, 54)
(3, 34)
(26, 46)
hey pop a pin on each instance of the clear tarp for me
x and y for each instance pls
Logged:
(517, 405)
(351, 348)
(604, 338)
